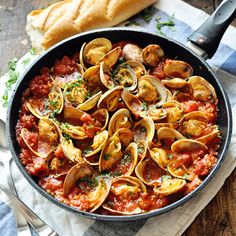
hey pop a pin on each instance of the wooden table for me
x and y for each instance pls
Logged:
(219, 217)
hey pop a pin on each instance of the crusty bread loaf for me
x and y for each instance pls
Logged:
(65, 18)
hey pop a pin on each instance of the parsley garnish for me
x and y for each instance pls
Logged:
(132, 23)
(91, 182)
(147, 14)
(117, 173)
(143, 129)
(186, 176)
(87, 151)
(106, 156)
(144, 106)
(13, 75)
(53, 114)
(26, 61)
(140, 148)
(126, 159)
(165, 177)
(33, 51)
(170, 23)
(170, 156)
(66, 136)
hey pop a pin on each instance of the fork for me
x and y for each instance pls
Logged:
(21, 211)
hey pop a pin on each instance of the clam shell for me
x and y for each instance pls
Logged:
(77, 171)
(178, 170)
(144, 129)
(174, 111)
(149, 172)
(202, 90)
(102, 116)
(157, 114)
(96, 49)
(92, 76)
(110, 99)
(168, 134)
(187, 145)
(81, 57)
(120, 119)
(175, 83)
(152, 90)
(76, 132)
(56, 99)
(105, 76)
(178, 69)
(159, 156)
(207, 139)
(72, 153)
(35, 111)
(152, 55)
(167, 125)
(138, 68)
(170, 186)
(99, 141)
(111, 57)
(125, 135)
(193, 123)
(91, 102)
(72, 112)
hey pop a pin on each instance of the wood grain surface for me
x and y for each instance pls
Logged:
(219, 217)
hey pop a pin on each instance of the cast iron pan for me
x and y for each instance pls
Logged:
(172, 49)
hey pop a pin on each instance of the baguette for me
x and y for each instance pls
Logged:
(69, 17)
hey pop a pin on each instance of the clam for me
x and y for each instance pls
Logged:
(202, 90)
(99, 141)
(120, 119)
(144, 129)
(101, 118)
(132, 52)
(174, 111)
(34, 109)
(92, 76)
(110, 99)
(125, 187)
(167, 125)
(152, 54)
(105, 76)
(123, 75)
(142, 149)
(188, 145)
(168, 135)
(111, 57)
(77, 171)
(178, 69)
(175, 83)
(96, 49)
(81, 57)
(70, 112)
(208, 138)
(91, 102)
(151, 90)
(159, 155)
(170, 186)
(56, 100)
(137, 67)
(111, 153)
(193, 123)
(72, 153)
(179, 170)
(149, 172)
(76, 132)
(157, 114)
(125, 135)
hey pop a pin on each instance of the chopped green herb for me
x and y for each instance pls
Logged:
(110, 203)
(88, 95)
(33, 51)
(165, 177)
(106, 156)
(147, 14)
(170, 156)
(26, 61)
(87, 151)
(66, 136)
(144, 106)
(88, 180)
(12, 64)
(170, 23)
(65, 125)
(143, 129)
(132, 23)
(53, 114)
(131, 194)
(126, 159)
(67, 93)
(116, 173)
(140, 149)
(53, 102)
(186, 176)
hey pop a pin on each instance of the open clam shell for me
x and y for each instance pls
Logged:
(188, 145)
(168, 135)
(175, 83)
(96, 49)
(193, 123)
(91, 102)
(105, 76)
(120, 119)
(99, 141)
(159, 155)
(179, 170)
(110, 99)
(178, 69)
(152, 54)
(81, 57)
(170, 186)
(123, 187)
(142, 149)
(138, 68)
(157, 114)
(208, 138)
(76, 132)
(202, 90)
(92, 76)
(56, 99)
(125, 135)
(123, 75)
(72, 153)
(149, 172)
(151, 90)
(101, 116)
(174, 111)
(111, 57)
(144, 129)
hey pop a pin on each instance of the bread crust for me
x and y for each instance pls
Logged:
(69, 17)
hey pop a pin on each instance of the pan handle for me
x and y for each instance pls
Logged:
(207, 37)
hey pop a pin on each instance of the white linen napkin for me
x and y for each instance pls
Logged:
(175, 222)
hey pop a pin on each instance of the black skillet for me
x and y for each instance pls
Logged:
(206, 37)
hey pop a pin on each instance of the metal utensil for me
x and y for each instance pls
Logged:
(21, 211)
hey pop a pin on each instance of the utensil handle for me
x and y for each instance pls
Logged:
(39, 225)
(209, 34)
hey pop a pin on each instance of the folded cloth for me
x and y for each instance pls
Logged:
(175, 222)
